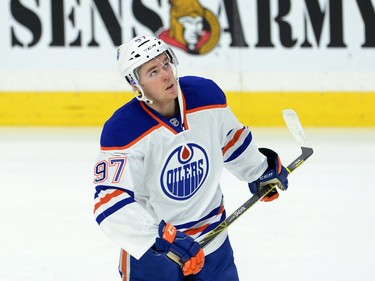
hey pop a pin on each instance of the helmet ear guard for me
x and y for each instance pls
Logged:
(130, 80)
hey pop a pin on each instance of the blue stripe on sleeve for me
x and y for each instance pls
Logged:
(241, 148)
(113, 209)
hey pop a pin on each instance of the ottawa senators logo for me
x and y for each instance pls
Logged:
(193, 28)
(184, 172)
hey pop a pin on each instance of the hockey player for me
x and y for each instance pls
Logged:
(158, 170)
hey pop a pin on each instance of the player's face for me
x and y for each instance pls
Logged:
(158, 81)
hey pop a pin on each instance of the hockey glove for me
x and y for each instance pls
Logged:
(275, 174)
(182, 245)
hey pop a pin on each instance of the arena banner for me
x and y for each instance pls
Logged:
(253, 46)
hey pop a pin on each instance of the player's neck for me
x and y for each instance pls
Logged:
(167, 110)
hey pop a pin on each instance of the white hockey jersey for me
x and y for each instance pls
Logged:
(152, 168)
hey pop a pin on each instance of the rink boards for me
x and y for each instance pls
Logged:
(317, 56)
(333, 109)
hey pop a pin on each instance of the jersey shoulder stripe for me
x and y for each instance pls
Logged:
(134, 120)
(201, 93)
(126, 125)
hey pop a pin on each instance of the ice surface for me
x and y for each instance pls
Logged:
(322, 228)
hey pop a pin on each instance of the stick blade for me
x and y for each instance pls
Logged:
(294, 125)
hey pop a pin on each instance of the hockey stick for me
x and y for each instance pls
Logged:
(294, 125)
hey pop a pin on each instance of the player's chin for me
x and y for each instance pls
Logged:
(171, 93)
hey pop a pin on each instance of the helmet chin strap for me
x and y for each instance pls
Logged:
(180, 104)
(141, 96)
(179, 96)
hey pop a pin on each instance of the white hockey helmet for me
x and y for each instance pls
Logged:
(139, 50)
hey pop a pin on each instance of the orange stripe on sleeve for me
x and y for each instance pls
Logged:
(233, 140)
(221, 209)
(107, 198)
(196, 230)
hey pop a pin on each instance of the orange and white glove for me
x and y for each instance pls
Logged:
(188, 251)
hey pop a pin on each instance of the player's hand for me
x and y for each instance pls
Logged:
(270, 196)
(189, 252)
(275, 174)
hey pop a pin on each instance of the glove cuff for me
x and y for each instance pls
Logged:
(167, 231)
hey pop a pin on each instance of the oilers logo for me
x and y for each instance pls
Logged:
(184, 172)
